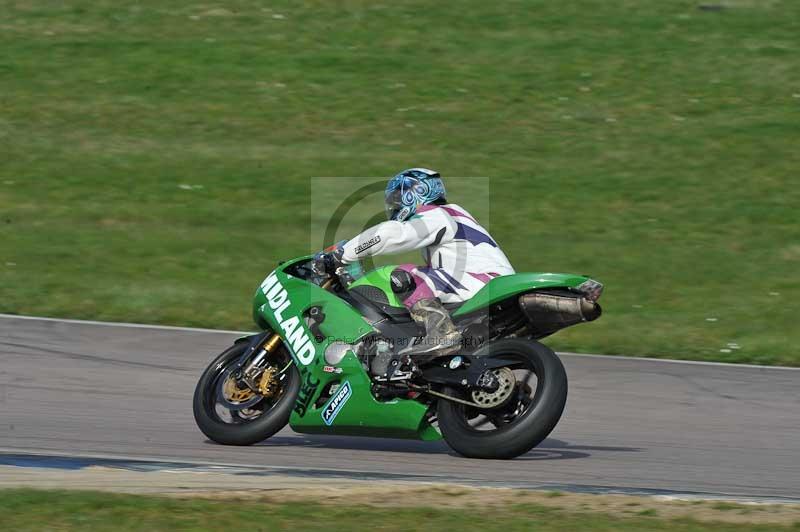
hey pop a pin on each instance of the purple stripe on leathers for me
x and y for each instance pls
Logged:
(422, 291)
(455, 212)
(482, 277)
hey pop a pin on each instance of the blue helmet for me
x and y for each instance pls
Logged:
(411, 188)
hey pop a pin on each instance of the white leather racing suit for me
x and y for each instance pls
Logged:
(460, 255)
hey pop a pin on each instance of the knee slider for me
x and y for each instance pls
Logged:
(403, 283)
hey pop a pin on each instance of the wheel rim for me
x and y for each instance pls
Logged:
(506, 384)
(231, 403)
(502, 413)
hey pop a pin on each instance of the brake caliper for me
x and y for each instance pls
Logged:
(267, 381)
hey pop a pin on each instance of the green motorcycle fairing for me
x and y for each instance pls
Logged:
(380, 278)
(506, 286)
(281, 304)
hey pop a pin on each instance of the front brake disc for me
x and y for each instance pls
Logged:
(232, 396)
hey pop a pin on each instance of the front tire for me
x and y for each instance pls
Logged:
(514, 434)
(239, 430)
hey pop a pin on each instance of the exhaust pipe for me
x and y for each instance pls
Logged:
(550, 312)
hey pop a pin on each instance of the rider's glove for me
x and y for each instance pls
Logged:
(347, 273)
(329, 260)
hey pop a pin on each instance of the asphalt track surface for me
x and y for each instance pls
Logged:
(631, 425)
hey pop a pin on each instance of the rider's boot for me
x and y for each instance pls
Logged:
(441, 338)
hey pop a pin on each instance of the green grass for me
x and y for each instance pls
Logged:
(68, 510)
(650, 144)
(725, 506)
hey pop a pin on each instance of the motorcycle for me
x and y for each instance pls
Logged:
(497, 396)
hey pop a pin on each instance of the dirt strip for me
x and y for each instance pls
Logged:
(276, 489)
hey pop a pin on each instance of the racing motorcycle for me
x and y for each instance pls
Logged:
(497, 396)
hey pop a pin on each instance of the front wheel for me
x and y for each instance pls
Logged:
(516, 417)
(229, 412)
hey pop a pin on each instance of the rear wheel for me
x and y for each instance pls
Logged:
(229, 412)
(514, 419)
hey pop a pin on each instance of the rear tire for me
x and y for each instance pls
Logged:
(254, 431)
(531, 427)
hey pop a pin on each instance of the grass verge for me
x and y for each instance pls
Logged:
(71, 510)
(155, 157)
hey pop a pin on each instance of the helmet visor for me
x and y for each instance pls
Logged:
(394, 204)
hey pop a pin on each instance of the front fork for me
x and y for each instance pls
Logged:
(249, 364)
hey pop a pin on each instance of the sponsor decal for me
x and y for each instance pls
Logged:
(293, 328)
(307, 391)
(331, 369)
(336, 403)
(368, 244)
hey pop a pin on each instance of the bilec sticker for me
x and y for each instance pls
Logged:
(336, 403)
(331, 369)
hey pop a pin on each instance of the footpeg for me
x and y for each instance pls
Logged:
(396, 368)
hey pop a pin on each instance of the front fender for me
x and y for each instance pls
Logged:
(247, 338)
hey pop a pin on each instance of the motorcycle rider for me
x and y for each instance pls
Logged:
(460, 256)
